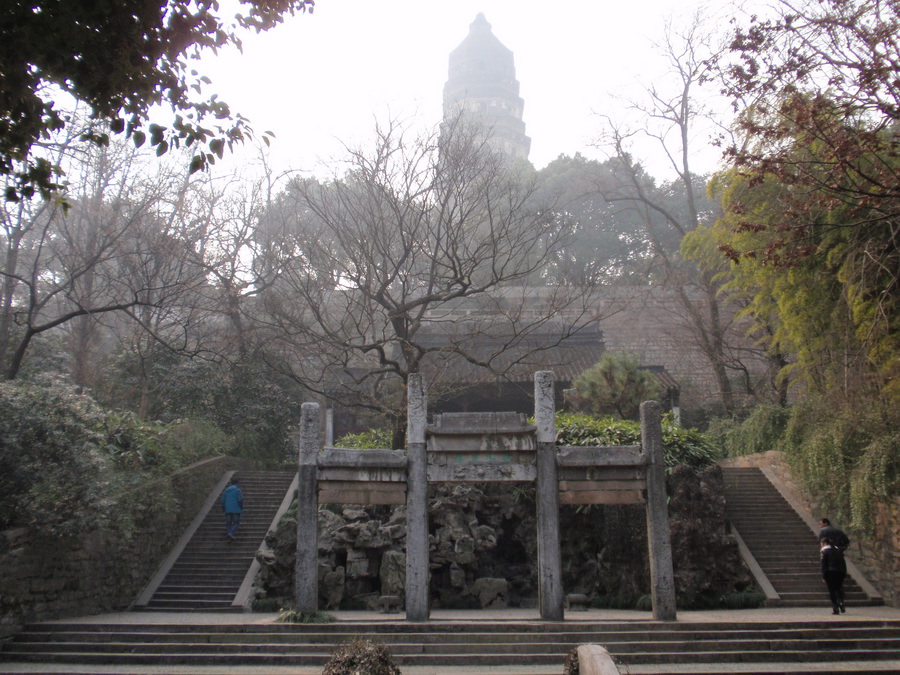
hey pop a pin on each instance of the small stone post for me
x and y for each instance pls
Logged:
(662, 576)
(306, 586)
(416, 502)
(550, 589)
(329, 427)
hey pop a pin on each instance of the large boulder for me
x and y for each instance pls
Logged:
(393, 573)
(490, 592)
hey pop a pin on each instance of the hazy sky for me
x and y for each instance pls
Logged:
(326, 77)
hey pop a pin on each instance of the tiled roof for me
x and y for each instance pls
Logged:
(489, 359)
(566, 356)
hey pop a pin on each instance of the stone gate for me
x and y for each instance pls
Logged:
(485, 447)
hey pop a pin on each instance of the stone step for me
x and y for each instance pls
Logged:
(221, 563)
(822, 591)
(857, 667)
(210, 562)
(808, 582)
(803, 541)
(235, 575)
(195, 595)
(468, 658)
(822, 658)
(447, 645)
(799, 527)
(164, 605)
(819, 593)
(196, 579)
(780, 541)
(209, 567)
(790, 571)
(783, 542)
(814, 598)
(520, 650)
(445, 634)
(748, 512)
(207, 637)
(202, 581)
(796, 538)
(744, 500)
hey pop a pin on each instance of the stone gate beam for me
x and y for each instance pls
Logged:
(306, 573)
(416, 502)
(662, 577)
(550, 592)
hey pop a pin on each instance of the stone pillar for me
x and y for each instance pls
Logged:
(306, 569)
(416, 502)
(550, 589)
(329, 427)
(662, 576)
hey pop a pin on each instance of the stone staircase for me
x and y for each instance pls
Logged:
(474, 647)
(210, 569)
(781, 543)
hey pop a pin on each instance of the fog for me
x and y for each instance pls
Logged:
(321, 80)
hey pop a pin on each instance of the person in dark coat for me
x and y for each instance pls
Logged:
(834, 569)
(833, 534)
(233, 506)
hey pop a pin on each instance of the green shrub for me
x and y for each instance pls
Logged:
(828, 448)
(846, 455)
(367, 440)
(586, 430)
(256, 409)
(157, 449)
(54, 458)
(688, 447)
(189, 441)
(743, 600)
(680, 445)
(62, 456)
(761, 431)
(876, 477)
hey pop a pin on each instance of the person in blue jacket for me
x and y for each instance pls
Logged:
(232, 505)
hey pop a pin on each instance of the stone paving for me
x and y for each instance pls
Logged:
(493, 615)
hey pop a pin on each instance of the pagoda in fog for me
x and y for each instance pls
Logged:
(482, 83)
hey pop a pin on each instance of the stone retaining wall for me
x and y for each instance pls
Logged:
(104, 569)
(880, 558)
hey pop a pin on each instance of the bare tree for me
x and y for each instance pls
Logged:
(203, 236)
(668, 118)
(67, 264)
(426, 253)
(227, 211)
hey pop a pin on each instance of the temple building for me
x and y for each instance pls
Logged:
(482, 85)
